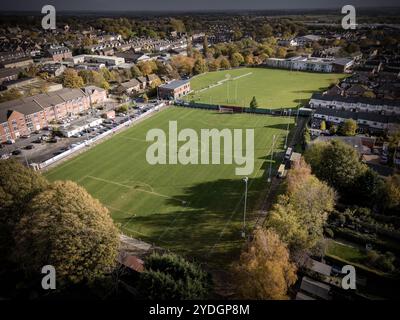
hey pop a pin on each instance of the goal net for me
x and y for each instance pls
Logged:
(225, 110)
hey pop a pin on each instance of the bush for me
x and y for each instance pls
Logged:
(169, 276)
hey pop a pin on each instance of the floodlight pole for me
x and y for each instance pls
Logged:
(297, 115)
(246, 179)
(272, 156)
(287, 130)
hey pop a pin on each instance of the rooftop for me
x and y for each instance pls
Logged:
(174, 84)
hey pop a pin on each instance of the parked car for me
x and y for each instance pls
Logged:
(37, 141)
(29, 147)
(25, 136)
(10, 141)
(16, 152)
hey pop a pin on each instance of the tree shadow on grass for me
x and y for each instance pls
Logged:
(205, 223)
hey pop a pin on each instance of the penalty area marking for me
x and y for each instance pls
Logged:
(133, 188)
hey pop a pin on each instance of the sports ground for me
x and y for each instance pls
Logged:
(191, 209)
(195, 210)
(272, 88)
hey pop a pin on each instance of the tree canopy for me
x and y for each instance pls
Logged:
(168, 276)
(253, 103)
(65, 227)
(18, 185)
(300, 214)
(264, 270)
(336, 163)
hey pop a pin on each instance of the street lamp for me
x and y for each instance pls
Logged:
(244, 209)
(272, 156)
(287, 130)
(227, 76)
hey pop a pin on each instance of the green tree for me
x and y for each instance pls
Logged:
(65, 227)
(336, 163)
(18, 185)
(368, 189)
(170, 277)
(333, 130)
(264, 270)
(136, 72)
(253, 103)
(349, 128)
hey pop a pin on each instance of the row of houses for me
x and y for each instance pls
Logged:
(367, 121)
(305, 63)
(22, 116)
(137, 85)
(354, 104)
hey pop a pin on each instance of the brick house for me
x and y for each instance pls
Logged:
(97, 95)
(59, 53)
(174, 90)
(22, 116)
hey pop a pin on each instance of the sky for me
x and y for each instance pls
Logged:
(187, 5)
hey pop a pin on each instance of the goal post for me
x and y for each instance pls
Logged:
(225, 109)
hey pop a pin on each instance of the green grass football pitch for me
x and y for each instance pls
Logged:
(195, 210)
(272, 88)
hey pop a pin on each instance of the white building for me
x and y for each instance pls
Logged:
(91, 58)
(302, 64)
(388, 107)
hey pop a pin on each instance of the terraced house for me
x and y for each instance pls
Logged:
(22, 116)
(383, 106)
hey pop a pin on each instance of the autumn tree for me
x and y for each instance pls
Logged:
(205, 46)
(178, 25)
(392, 194)
(214, 65)
(11, 94)
(349, 128)
(323, 125)
(147, 67)
(71, 79)
(200, 66)
(236, 59)
(301, 213)
(264, 270)
(135, 71)
(65, 227)
(18, 185)
(224, 63)
(184, 65)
